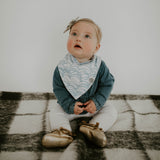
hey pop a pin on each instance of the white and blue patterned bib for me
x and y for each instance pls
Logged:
(78, 77)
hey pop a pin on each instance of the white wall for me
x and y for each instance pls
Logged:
(32, 42)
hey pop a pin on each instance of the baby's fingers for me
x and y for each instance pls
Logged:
(79, 104)
(86, 103)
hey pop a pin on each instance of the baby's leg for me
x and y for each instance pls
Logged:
(106, 117)
(61, 134)
(58, 118)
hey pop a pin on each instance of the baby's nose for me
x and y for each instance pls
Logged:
(78, 38)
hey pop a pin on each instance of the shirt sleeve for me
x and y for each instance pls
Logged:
(105, 85)
(64, 98)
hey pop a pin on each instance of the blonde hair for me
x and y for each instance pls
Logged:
(75, 21)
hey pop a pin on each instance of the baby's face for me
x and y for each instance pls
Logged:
(82, 41)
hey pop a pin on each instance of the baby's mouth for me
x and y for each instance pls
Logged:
(77, 46)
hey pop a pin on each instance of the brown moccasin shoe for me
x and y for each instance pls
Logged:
(57, 138)
(94, 133)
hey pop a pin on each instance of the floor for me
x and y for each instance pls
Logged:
(24, 120)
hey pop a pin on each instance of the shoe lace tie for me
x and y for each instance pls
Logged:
(95, 126)
(64, 131)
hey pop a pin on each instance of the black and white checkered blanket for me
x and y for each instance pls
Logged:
(24, 120)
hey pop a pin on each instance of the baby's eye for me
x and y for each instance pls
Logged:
(74, 33)
(87, 36)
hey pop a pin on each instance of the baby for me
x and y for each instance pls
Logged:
(81, 83)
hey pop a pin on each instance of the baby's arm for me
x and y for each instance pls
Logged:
(106, 81)
(66, 101)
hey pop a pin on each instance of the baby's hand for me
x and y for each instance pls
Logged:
(77, 109)
(90, 106)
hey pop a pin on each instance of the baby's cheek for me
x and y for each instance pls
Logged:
(88, 47)
(69, 44)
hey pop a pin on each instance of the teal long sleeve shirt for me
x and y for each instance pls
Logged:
(98, 92)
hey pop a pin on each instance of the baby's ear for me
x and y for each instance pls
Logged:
(97, 47)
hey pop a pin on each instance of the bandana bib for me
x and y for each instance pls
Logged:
(78, 77)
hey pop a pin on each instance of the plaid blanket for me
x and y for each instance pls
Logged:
(24, 121)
